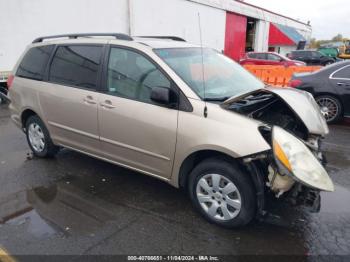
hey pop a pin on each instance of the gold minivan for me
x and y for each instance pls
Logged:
(182, 113)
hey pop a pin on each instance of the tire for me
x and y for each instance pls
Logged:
(330, 107)
(39, 139)
(216, 205)
(329, 62)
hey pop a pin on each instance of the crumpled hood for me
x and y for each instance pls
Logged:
(301, 102)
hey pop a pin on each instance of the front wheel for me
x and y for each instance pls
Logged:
(222, 193)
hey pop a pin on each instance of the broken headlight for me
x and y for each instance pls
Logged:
(294, 158)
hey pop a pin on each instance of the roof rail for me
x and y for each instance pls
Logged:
(75, 36)
(174, 38)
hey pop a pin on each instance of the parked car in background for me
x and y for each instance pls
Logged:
(329, 51)
(312, 57)
(268, 58)
(331, 88)
(3, 94)
(346, 54)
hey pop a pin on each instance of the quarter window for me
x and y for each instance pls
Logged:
(76, 66)
(132, 76)
(34, 62)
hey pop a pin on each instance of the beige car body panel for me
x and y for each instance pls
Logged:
(150, 139)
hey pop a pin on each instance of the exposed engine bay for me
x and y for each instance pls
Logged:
(272, 109)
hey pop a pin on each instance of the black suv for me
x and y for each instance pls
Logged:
(311, 57)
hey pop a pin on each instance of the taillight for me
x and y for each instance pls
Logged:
(295, 83)
(10, 81)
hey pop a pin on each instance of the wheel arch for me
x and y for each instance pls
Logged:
(26, 114)
(195, 158)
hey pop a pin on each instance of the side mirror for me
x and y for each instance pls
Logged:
(164, 96)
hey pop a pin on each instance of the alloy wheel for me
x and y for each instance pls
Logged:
(329, 108)
(219, 197)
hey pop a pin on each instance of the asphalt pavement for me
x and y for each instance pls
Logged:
(77, 205)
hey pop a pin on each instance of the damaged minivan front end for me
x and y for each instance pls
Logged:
(292, 124)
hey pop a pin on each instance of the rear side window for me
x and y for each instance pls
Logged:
(76, 66)
(300, 54)
(343, 73)
(34, 62)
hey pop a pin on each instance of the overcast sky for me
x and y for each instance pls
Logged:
(328, 17)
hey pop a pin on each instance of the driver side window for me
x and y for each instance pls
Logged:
(133, 76)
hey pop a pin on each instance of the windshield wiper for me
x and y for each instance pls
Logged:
(216, 99)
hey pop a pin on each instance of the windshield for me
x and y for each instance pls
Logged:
(223, 78)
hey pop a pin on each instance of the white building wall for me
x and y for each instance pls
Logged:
(179, 18)
(262, 36)
(284, 50)
(251, 11)
(21, 21)
(25, 20)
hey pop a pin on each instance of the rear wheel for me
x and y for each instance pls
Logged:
(39, 139)
(330, 107)
(222, 193)
(329, 63)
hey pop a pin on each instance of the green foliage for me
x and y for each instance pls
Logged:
(315, 44)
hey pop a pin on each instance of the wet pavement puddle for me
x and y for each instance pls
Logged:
(337, 201)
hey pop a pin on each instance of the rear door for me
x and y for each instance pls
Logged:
(134, 130)
(340, 80)
(315, 58)
(70, 98)
(301, 56)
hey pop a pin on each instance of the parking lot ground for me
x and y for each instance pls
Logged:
(77, 205)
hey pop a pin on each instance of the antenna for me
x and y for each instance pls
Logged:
(202, 56)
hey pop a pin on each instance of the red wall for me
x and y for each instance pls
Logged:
(235, 36)
(277, 38)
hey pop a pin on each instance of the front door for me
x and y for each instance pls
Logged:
(69, 100)
(134, 130)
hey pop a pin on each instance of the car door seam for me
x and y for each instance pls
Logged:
(134, 148)
(73, 130)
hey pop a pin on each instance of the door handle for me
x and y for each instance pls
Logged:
(90, 100)
(342, 84)
(107, 104)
